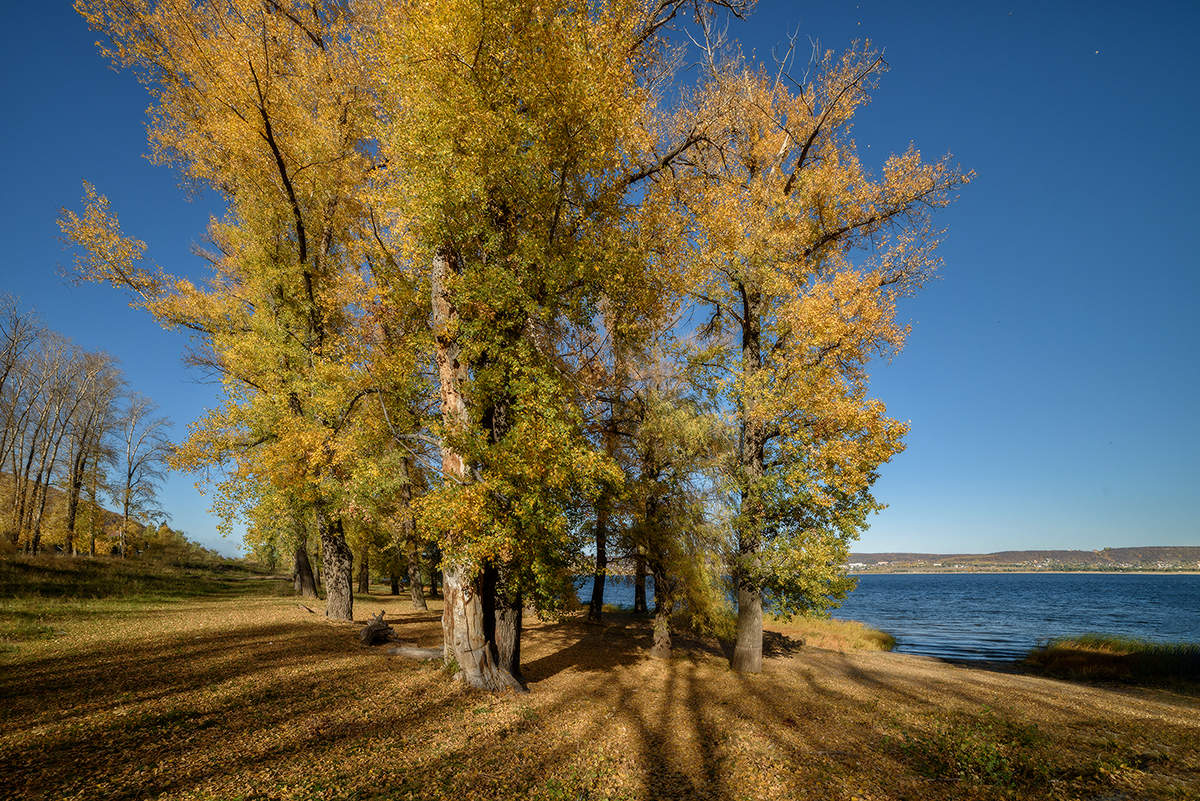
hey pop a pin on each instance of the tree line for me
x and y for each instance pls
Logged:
(535, 285)
(72, 437)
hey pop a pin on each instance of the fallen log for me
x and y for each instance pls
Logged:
(376, 631)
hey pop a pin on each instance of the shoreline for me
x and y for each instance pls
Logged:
(1026, 572)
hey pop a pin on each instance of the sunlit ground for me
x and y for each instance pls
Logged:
(247, 695)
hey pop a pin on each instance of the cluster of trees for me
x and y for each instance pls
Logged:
(534, 283)
(72, 436)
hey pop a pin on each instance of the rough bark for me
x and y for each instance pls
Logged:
(465, 622)
(747, 653)
(338, 568)
(414, 576)
(664, 606)
(364, 572)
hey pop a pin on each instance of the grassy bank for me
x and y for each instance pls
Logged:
(39, 595)
(1105, 657)
(243, 694)
(832, 634)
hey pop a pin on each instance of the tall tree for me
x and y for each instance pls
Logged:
(516, 135)
(801, 256)
(263, 103)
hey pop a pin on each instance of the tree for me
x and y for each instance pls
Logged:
(262, 102)
(801, 256)
(516, 137)
(142, 453)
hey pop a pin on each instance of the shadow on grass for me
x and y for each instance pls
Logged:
(294, 707)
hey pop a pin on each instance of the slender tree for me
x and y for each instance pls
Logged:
(142, 452)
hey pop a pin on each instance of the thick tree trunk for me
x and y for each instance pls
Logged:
(466, 616)
(747, 652)
(364, 572)
(305, 583)
(466, 622)
(664, 605)
(338, 568)
(639, 584)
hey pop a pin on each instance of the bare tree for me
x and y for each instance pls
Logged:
(142, 455)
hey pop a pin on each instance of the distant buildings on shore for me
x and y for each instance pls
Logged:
(1176, 558)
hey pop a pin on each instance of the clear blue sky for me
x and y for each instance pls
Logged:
(1051, 379)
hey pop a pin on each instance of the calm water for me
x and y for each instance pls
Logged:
(1003, 615)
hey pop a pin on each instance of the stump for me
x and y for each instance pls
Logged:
(376, 631)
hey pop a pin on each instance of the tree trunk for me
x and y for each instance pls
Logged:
(664, 605)
(465, 623)
(364, 572)
(639, 584)
(414, 576)
(305, 584)
(747, 652)
(338, 568)
(596, 605)
(409, 531)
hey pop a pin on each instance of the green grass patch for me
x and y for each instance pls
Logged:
(1106, 657)
(987, 750)
(66, 577)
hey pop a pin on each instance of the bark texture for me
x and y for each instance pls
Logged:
(337, 567)
(468, 614)
(747, 653)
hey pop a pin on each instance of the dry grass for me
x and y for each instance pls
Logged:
(248, 696)
(1097, 656)
(832, 634)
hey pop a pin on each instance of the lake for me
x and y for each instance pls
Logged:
(1003, 615)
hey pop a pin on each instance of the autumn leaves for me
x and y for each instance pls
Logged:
(510, 249)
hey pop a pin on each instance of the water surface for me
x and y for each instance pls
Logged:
(1003, 615)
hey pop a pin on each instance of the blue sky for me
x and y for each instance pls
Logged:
(1050, 380)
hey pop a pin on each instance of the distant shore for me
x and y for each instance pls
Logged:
(1025, 572)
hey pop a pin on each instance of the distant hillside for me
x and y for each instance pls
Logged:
(1151, 557)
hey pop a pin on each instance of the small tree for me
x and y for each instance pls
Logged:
(142, 452)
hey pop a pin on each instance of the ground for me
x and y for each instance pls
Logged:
(242, 693)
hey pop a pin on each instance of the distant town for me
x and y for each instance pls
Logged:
(1170, 558)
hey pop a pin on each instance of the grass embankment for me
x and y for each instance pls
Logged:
(1105, 657)
(38, 593)
(832, 634)
(245, 695)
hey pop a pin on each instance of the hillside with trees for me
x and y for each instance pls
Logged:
(72, 438)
